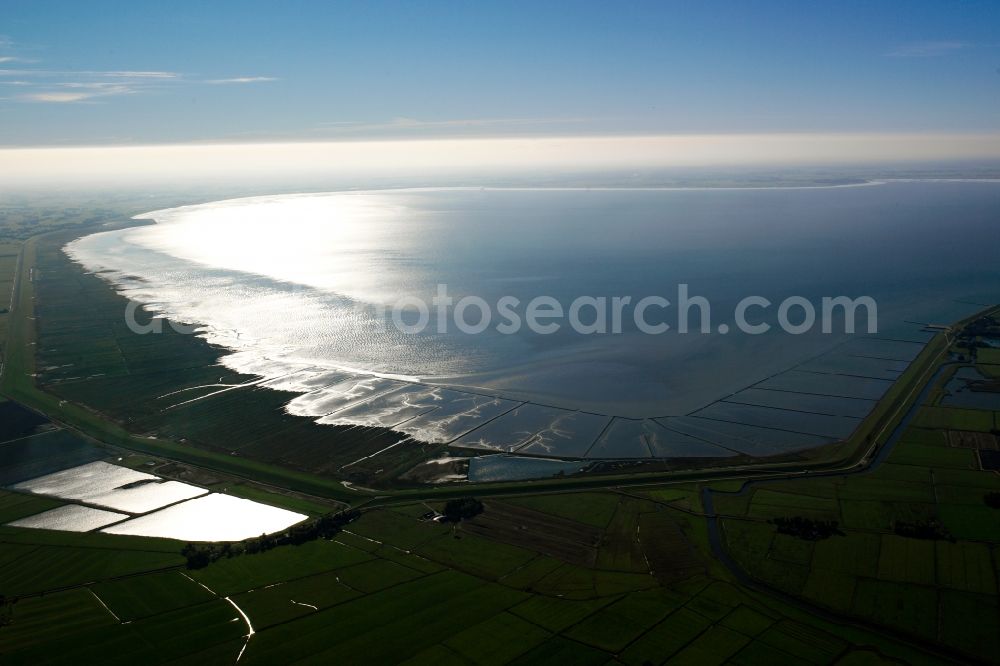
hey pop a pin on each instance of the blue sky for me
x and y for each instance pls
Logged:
(95, 73)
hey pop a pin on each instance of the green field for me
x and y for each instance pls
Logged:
(942, 590)
(136, 597)
(9, 253)
(446, 602)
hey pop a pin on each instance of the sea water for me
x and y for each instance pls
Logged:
(296, 287)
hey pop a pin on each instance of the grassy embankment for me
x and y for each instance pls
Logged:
(9, 253)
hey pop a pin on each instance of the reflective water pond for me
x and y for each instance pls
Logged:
(214, 517)
(834, 427)
(342, 394)
(630, 438)
(111, 486)
(459, 413)
(44, 453)
(968, 389)
(570, 435)
(746, 439)
(804, 402)
(70, 518)
(841, 386)
(514, 428)
(389, 409)
(517, 468)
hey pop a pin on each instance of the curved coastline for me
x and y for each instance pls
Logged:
(248, 364)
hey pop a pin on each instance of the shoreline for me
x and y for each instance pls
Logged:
(865, 182)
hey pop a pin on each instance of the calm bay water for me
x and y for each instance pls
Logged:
(291, 283)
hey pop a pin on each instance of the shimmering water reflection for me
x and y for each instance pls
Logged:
(293, 284)
(214, 517)
(295, 287)
(70, 518)
(207, 517)
(516, 468)
(111, 486)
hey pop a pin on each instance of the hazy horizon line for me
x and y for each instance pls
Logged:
(465, 155)
(375, 139)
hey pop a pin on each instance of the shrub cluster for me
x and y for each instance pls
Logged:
(807, 528)
(462, 509)
(200, 555)
(923, 529)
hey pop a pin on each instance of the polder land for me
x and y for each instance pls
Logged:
(687, 566)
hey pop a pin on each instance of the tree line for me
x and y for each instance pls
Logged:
(200, 555)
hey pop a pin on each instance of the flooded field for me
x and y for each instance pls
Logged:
(570, 435)
(142, 504)
(70, 518)
(628, 438)
(962, 391)
(16, 421)
(111, 486)
(214, 517)
(37, 455)
(515, 468)
(459, 414)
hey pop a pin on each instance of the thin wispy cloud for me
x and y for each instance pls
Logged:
(114, 74)
(10, 54)
(129, 74)
(928, 49)
(56, 97)
(44, 85)
(95, 85)
(242, 79)
(68, 93)
(87, 85)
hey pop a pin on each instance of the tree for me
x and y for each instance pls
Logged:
(462, 509)
(807, 529)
